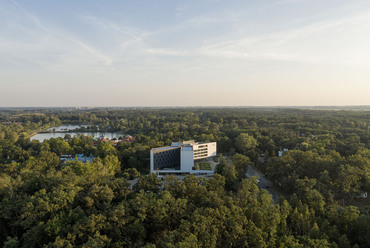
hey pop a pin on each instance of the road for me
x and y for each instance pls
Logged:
(132, 182)
(263, 183)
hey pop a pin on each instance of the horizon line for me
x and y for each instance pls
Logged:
(188, 106)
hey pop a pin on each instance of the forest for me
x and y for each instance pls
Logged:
(318, 161)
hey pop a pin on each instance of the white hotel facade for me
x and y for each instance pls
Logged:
(179, 157)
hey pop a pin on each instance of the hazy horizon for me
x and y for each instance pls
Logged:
(270, 53)
(197, 106)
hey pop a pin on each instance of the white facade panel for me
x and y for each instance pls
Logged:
(151, 162)
(187, 160)
(212, 149)
(204, 150)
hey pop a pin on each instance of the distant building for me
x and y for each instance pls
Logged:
(127, 138)
(80, 157)
(362, 195)
(281, 152)
(179, 157)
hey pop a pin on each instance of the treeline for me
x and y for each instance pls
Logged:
(336, 134)
(91, 205)
(14, 127)
(331, 174)
(130, 155)
(343, 131)
(326, 167)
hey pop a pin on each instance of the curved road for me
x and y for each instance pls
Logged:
(263, 183)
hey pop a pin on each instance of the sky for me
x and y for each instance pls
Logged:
(184, 53)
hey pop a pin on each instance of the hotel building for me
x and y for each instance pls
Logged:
(179, 157)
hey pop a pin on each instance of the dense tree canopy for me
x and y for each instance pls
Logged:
(322, 171)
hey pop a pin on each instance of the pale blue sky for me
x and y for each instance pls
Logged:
(184, 53)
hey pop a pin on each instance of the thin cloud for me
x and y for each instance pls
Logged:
(125, 30)
(166, 52)
(29, 15)
(58, 37)
(284, 45)
(204, 45)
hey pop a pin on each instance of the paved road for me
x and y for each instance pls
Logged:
(264, 183)
(132, 182)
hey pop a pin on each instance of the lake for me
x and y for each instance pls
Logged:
(43, 136)
(66, 127)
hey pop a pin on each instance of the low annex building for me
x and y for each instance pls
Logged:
(179, 157)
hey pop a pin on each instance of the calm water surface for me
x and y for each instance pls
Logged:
(66, 127)
(42, 136)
